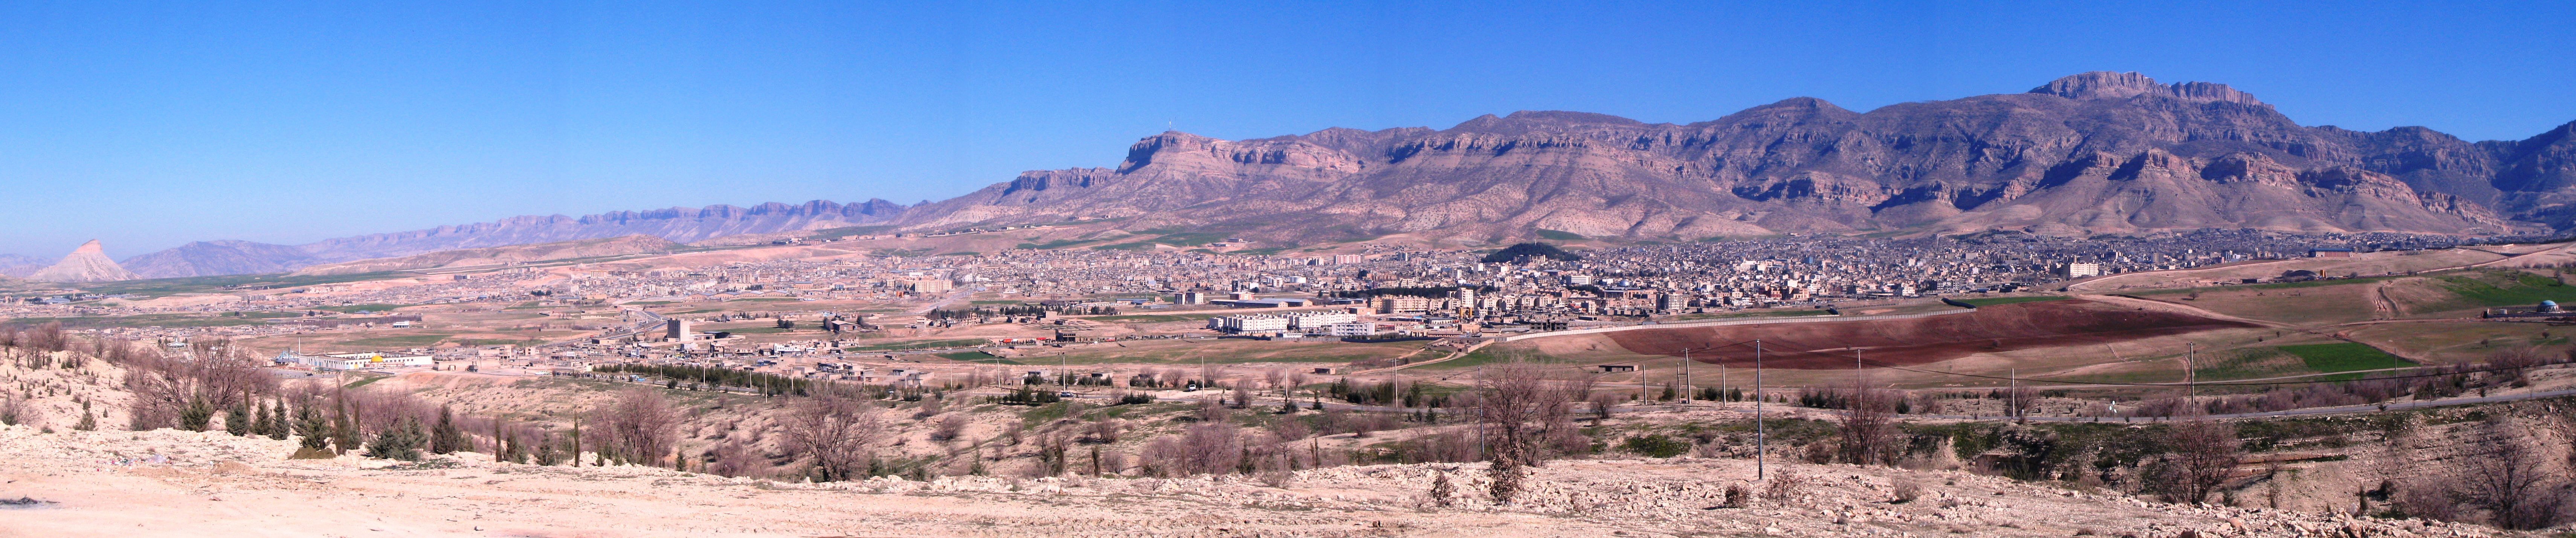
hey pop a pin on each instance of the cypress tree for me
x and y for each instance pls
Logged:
(237, 420)
(576, 442)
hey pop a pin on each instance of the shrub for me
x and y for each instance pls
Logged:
(1907, 491)
(1785, 487)
(1656, 446)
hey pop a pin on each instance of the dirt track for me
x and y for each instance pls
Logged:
(1922, 340)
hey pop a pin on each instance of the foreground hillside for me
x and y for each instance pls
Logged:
(209, 484)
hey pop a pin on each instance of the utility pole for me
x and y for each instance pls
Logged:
(1686, 360)
(1761, 430)
(2190, 373)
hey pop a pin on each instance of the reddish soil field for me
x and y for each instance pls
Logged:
(1828, 345)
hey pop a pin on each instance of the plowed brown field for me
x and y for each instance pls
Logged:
(1908, 341)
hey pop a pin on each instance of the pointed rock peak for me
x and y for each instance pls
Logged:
(1801, 103)
(89, 263)
(2113, 85)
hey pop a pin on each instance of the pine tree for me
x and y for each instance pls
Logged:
(446, 438)
(401, 441)
(237, 420)
(279, 426)
(197, 416)
(88, 421)
(316, 431)
(259, 425)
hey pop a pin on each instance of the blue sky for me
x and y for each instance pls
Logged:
(152, 124)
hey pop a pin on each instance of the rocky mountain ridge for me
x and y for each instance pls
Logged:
(2087, 154)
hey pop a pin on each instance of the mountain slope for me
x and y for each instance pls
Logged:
(225, 257)
(2091, 153)
(12, 265)
(617, 246)
(89, 263)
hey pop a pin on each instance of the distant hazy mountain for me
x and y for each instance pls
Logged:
(495, 256)
(12, 265)
(677, 224)
(89, 263)
(226, 257)
(2092, 153)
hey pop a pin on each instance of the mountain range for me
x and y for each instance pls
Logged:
(2092, 153)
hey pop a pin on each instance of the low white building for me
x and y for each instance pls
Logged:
(354, 361)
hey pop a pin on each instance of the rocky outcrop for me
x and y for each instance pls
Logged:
(89, 263)
(2090, 153)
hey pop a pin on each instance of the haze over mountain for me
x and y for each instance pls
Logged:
(2091, 153)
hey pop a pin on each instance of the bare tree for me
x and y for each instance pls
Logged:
(2205, 452)
(642, 425)
(2510, 476)
(1520, 410)
(949, 428)
(1869, 426)
(839, 433)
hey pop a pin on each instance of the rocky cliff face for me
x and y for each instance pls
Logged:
(89, 263)
(2090, 153)
(679, 224)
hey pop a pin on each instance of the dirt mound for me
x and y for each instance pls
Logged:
(1906, 341)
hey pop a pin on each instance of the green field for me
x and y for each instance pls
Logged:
(220, 284)
(1991, 301)
(352, 309)
(143, 320)
(408, 340)
(2344, 357)
(901, 346)
(1544, 233)
(2508, 288)
(974, 356)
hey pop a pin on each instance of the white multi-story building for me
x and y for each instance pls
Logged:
(1356, 328)
(1311, 320)
(1249, 323)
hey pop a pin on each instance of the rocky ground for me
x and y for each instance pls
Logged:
(211, 484)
